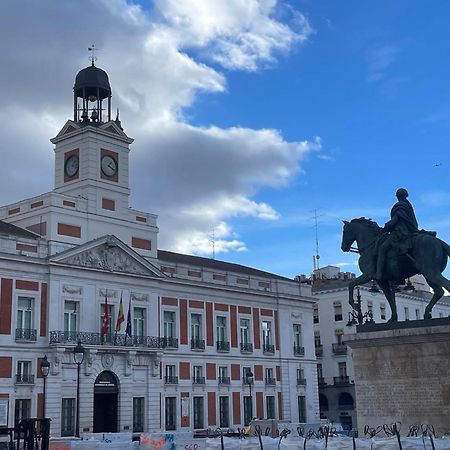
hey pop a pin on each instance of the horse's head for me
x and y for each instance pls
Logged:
(348, 236)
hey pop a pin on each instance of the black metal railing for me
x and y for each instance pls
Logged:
(246, 347)
(271, 381)
(346, 406)
(321, 381)
(299, 351)
(223, 346)
(170, 342)
(24, 378)
(198, 380)
(341, 380)
(301, 381)
(268, 348)
(26, 334)
(197, 344)
(224, 380)
(169, 379)
(319, 350)
(339, 349)
(87, 338)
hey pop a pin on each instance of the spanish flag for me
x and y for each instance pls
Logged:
(120, 317)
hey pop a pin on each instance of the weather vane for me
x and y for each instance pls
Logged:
(92, 58)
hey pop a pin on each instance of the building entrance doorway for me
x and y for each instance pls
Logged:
(106, 393)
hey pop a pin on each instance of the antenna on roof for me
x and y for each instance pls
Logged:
(92, 58)
(213, 242)
(316, 257)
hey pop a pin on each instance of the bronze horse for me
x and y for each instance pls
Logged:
(428, 256)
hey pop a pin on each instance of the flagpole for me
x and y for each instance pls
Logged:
(119, 318)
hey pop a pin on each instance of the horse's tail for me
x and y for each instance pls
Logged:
(445, 246)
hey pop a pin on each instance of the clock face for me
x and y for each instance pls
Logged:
(71, 166)
(109, 165)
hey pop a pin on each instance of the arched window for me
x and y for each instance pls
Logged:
(323, 402)
(345, 401)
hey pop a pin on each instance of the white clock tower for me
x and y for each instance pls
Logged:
(91, 194)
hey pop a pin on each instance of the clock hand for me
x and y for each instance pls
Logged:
(111, 166)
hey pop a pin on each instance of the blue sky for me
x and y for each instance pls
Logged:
(248, 115)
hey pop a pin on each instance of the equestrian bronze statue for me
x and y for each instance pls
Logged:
(398, 251)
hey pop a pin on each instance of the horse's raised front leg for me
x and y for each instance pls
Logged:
(356, 282)
(389, 293)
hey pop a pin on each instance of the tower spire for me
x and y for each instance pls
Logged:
(92, 58)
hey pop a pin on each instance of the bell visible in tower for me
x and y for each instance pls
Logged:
(92, 88)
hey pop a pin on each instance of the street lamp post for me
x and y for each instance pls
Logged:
(45, 367)
(78, 357)
(250, 380)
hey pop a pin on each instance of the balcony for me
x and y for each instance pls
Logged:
(224, 380)
(321, 381)
(268, 349)
(169, 379)
(246, 348)
(319, 350)
(170, 342)
(109, 339)
(24, 378)
(25, 334)
(197, 344)
(222, 346)
(346, 406)
(340, 349)
(342, 380)
(299, 351)
(271, 381)
(301, 381)
(198, 380)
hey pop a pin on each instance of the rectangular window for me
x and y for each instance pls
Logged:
(25, 313)
(406, 313)
(248, 410)
(315, 314)
(70, 320)
(223, 375)
(383, 311)
(68, 417)
(267, 336)
(270, 407)
(319, 371)
(301, 408)
(224, 412)
(171, 374)
(317, 342)
(297, 335)
(245, 372)
(24, 373)
(171, 413)
(198, 412)
(337, 312)
(22, 410)
(138, 414)
(342, 369)
(245, 331)
(300, 375)
(169, 324)
(139, 323)
(269, 376)
(339, 337)
(196, 327)
(221, 323)
(417, 314)
(197, 375)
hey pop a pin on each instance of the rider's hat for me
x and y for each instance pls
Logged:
(402, 192)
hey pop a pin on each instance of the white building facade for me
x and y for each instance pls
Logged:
(331, 322)
(199, 326)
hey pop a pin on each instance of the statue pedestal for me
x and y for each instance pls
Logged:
(402, 374)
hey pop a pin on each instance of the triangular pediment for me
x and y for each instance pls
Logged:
(69, 127)
(113, 127)
(108, 254)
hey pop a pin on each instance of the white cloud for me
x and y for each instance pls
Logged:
(159, 61)
(380, 58)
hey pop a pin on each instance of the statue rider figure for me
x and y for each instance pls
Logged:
(402, 226)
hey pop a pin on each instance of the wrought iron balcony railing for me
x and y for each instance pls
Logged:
(319, 350)
(26, 334)
(170, 342)
(224, 380)
(271, 381)
(299, 351)
(24, 378)
(268, 348)
(198, 380)
(301, 381)
(340, 349)
(197, 344)
(246, 347)
(169, 379)
(341, 380)
(346, 406)
(121, 340)
(223, 346)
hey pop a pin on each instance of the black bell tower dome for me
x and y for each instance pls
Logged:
(92, 87)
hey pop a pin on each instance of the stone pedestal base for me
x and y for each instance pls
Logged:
(403, 375)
